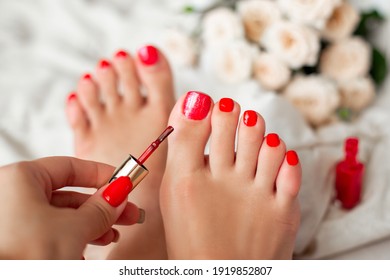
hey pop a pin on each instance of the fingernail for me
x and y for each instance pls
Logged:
(141, 218)
(148, 55)
(292, 158)
(250, 118)
(116, 236)
(196, 105)
(117, 191)
(104, 63)
(121, 54)
(72, 96)
(273, 140)
(87, 76)
(226, 105)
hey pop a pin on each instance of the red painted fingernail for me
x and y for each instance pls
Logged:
(87, 76)
(273, 140)
(292, 158)
(121, 54)
(104, 63)
(226, 105)
(148, 55)
(117, 191)
(196, 105)
(250, 118)
(72, 96)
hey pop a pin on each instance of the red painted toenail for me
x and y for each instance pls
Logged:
(292, 158)
(226, 105)
(196, 105)
(104, 64)
(148, 55)
(250, 118)
(87, 76)
(72, 96)
(273, 140)
(121, 54)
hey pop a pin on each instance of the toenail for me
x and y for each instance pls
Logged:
(226, 105)
(141, 218)
(250, 118)
(87, 76)
(292, 158)
(148, 55)
(72, 96)
(273, 140)
(121, 54)
(104, 64)
(196, 105)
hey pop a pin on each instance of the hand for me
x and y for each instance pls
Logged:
(40, 221)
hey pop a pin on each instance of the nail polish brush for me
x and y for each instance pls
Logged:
(134, 168)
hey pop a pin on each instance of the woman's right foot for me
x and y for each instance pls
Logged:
(121, 110)
(229, 205)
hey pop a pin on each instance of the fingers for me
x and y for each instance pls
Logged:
(58, 172)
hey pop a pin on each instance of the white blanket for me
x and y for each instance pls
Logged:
(46, 45)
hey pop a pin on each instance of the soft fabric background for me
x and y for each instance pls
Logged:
(46, 45)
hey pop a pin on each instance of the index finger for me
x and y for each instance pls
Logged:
(58, 172)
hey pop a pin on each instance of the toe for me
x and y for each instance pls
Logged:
(191, 120)
(77, 118)
(271, 156)
(128, 78)
(107, 82)
(288, 181)
(250, 137)
(155, 74)
(89, 98)
(222, 145)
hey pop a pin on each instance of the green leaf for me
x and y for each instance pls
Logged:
(367, 20)
(344, 114)
(379, 67)
(188, 9)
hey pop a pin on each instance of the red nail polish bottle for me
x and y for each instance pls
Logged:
(349, 175)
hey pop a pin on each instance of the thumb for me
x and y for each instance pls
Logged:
(103, 209)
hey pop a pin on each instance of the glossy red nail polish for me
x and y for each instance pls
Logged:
(226, 105)
(273, 140)
(250, 118)
(87, 76)
(292, 158)
(104, 63)
(148, 55)
(117, 191)
(349, 175)
(71, 96)
(121, 54)
(196, 105)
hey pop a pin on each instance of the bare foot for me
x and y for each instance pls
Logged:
(228, 205)
(121, 111)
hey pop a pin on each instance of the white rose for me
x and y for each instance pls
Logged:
(310, 12)
(231, 63)
(342, 22)
(220, 26)
(272, 73)
(295, 44)
(179, 47)
(316, 97)
(256, 16)
(346, 59)
(357, 94)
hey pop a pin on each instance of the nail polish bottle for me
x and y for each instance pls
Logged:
(349, 175)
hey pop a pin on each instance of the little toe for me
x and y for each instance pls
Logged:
(190, 118)
(222, 145)
(288, 181)
(77, 118)
(271, 156)
(89, 98)
(249, 140)
(128, 78)
(156, 76)
(107, 81)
